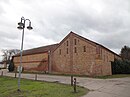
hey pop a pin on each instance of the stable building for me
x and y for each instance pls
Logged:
(73, 55)
(36, 59)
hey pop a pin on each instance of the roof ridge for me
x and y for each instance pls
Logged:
(37, 50)
(95, 43)
(41, 46)
(40, 49)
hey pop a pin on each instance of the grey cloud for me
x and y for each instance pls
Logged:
(9, 35)
(111, 20)
(1, 10)
(53, 20)
(9, 43)
(1, 4)
(115, 41)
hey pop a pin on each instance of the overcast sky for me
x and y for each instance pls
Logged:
(104, 21)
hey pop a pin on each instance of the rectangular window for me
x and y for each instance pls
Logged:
(84, 48)
(67, 43)
(107, 58)
(67, 51)
(60, 51)
(101, 52)
(75, 50)
(75, 41)
(98, 50)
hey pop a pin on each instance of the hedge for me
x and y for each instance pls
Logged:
(11, 66)
(121, 67)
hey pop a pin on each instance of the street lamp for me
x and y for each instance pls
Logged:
(21, 27)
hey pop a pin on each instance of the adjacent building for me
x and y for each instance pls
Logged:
(36, 59)
(3, 64)
(73, 55)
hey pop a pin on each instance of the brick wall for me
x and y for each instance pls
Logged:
(104, 60)
(78, 60)
(35, 62)
(74, 55)
(83, 57)
(61, 58)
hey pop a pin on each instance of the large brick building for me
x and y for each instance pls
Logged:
(36, 59)
(73, 55)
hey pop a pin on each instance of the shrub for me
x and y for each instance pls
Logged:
(121, 67)
(11, 66)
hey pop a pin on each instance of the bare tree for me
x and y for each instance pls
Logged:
(7, 54)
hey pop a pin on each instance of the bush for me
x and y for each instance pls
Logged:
(121, 67)
(11, 66)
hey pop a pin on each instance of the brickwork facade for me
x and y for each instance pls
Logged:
(35, 62)
(62, 62)
(36, 59)
(77, 55)
(73, 55)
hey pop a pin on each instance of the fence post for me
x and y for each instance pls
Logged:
(35, 76)
(2, 73)
(71, 80)
(15, 75)
(74, 85)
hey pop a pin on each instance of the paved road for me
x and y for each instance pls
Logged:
(117, 87)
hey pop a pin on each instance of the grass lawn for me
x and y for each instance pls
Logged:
(30, 88)
(114, 76)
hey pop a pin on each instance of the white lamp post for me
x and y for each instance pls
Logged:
(21, 27)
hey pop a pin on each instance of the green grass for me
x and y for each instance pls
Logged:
(114, 76)
(30, 88)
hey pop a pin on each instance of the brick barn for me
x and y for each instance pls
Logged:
(36, 59)
(73, 55)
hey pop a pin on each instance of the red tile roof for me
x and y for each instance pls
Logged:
(38, 50)
(55, 46)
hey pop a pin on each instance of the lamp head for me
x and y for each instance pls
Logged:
(29, 27)
(20, 27)
(20, 24)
